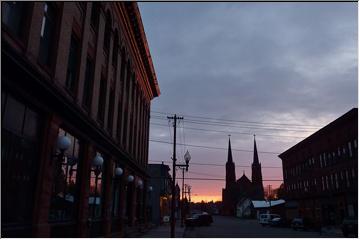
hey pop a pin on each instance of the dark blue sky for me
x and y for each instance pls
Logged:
(286, 63)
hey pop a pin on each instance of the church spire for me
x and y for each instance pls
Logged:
(230, 159)
(256, 157)
(230, 168)
(256, 176)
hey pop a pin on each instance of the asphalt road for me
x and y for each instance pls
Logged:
(231, 227)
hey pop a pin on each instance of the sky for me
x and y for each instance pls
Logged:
(278, 70)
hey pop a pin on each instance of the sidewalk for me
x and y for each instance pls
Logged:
(163, 231)
(332, 232)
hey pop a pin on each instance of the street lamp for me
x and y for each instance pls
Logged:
(183, 167)
(96, 168)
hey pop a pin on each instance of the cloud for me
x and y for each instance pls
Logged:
(265, 62)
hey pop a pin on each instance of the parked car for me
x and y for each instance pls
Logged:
(264, 219)
(349, 226)
(277, 222)
(199, 219)
(297, 223)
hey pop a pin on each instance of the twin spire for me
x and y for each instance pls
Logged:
(255, 158)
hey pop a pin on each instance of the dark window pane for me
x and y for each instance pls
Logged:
(31, 124)
(71, 77)
(111, 109)
(95, 11)
(13, 14)
(47, 34)
(19, 165)
(88, 84)
(14, 115)
(102, 99)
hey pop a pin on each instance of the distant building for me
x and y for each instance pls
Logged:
(243, 187)
(159, 203)
(247, 208)
(80, 71)
(320, 173)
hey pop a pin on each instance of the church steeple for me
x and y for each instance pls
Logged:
(256, 157)
(256, 176)
(230, 168)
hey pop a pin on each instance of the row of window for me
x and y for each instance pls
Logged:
(14, 13)
(341, 179)
(325, 159)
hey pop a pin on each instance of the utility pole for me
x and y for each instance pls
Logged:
(172, 233)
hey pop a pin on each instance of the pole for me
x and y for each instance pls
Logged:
(172, 232)
(182, 199)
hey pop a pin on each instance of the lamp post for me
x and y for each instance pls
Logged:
(183, 167)
(96, 168)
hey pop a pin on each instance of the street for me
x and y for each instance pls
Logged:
(226, 227)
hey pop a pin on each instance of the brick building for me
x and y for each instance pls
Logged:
(79, 73)
(320, 173)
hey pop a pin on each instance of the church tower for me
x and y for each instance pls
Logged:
(230, 169)
(256, 176)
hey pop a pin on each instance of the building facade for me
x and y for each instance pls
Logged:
(159, 203)
(320, 173)
(236, 191)
(82, 70)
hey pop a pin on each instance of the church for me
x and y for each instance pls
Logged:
(235, 190)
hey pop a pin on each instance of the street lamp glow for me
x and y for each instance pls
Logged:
(98, 160)
(130, 178)
(63, 143)
(118, 171)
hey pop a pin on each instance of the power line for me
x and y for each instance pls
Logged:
(213, 164)
(241, 121)
(209, 147)
(237, 126)
(219, 131)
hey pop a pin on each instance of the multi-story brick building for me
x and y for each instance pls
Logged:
(82, 70)
(320, 173)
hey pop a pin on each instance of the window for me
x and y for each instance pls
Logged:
(47, 34)
(88, 83)
(355, 144)
(339, 152)
(350, 149)
(347, 179)
(95, 13)
(13, 16)
(115, 49)
(20, 154)
(102, 100)
(65, 184)
(73, 63)
(323, 184)
(107, 32)
(336, 181)
(111, 109)
(327, 182)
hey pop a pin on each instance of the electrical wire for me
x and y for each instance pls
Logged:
(241, 121)
(200, 122)
(210, 147)
(213, 164)
(227, 132)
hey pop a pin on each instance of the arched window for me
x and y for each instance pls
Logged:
(115, 49)
(107, 33)
(47, 34)
(95, 13)
(13, 16)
